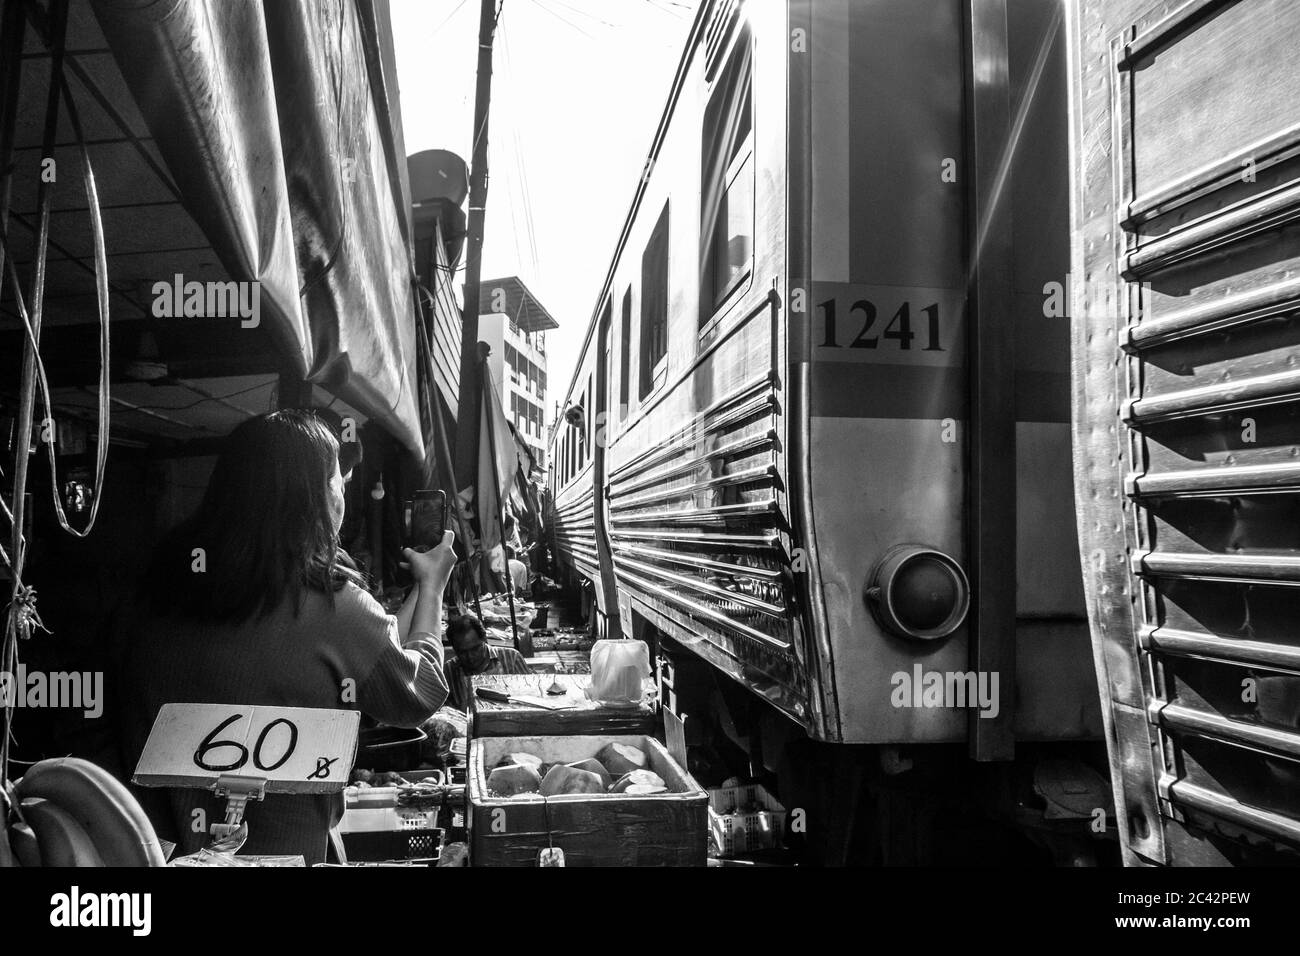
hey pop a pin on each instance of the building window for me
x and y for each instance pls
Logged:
(654, 305)
(625, 355)
(727, 194)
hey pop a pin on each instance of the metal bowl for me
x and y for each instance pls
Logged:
(390, 748)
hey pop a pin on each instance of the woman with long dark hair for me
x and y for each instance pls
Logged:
(252, 602)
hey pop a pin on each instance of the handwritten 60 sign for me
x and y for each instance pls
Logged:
(295, 749)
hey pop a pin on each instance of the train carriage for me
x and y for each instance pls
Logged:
(819, 432)
(1185, 343)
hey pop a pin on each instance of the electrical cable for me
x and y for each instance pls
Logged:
(29, 326)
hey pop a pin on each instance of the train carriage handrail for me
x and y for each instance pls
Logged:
(1175, 642)
(1180, 718)
(1218, 480)
(1272, 149)
(1271, 210)
(1274, 568)
(1187, 794)
(1222, 312)
(1226, 396)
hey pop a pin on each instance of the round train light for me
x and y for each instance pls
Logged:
(919, 592)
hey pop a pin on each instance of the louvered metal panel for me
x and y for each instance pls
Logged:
(1187, 415)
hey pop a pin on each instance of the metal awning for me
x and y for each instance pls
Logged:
(511, 296)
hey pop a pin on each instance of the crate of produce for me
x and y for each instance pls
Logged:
(393, 817)
(647, 825)
(745, 818)
(578, 715)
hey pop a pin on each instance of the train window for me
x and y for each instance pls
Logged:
(654, 305)
(727, 196)
(625, 355)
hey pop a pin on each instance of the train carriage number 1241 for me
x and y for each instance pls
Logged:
(898, 329)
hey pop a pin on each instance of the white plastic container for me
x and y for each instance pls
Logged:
(618, 669)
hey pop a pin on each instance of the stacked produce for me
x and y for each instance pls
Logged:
(562, 640)
(364, 779)
(617, 769)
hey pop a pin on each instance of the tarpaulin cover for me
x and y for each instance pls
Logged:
(265, 115)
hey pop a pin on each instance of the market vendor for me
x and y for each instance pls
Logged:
(252, 601)
(475, 657)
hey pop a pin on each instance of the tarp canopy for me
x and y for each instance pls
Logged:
(281, 142)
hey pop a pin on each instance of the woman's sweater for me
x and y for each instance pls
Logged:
(348, 657)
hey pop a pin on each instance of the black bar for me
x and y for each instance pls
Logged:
(992, 447)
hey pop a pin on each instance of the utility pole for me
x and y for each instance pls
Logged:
(470, 398)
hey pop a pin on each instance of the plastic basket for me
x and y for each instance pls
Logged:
(391, 833)
(745, 818)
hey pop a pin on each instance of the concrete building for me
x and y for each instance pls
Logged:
(514, 323)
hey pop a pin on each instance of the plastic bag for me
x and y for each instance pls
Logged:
(207, 857)
(618, 669)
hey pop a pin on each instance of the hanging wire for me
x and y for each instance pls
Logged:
(564, 19)
(668, 10)
(447, 18)
(519, 184)
(584, 13)
(21, 616)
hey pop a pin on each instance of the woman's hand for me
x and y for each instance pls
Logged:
(433, 568)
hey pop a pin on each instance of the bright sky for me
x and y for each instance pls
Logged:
(577, 90)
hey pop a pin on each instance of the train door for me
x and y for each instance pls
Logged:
(609, 624)
(1186, 337)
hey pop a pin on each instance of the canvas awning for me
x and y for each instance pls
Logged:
(284, 150)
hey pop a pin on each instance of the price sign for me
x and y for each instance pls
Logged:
(295, 749)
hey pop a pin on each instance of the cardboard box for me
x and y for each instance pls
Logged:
(580, 716)
(666, 829)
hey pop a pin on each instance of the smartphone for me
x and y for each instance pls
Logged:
(426, 519)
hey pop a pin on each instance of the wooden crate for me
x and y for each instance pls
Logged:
(491, 719)
(667, 829)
